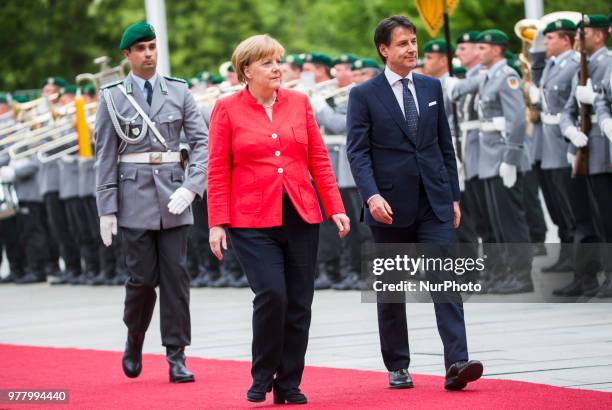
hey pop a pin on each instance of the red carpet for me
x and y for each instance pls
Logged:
(95, 381)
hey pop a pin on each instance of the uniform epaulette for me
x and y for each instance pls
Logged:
(180, 80)
(509, 70)
(576, 56)
(114, 83)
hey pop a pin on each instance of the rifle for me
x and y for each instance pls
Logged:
(581, 164)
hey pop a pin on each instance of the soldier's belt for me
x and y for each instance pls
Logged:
(550, 119)
(493, 124)
(151, 157)
(469, 125)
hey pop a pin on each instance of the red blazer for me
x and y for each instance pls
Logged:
(250, 159)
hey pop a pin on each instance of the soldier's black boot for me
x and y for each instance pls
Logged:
(132, 356)
(175, 355)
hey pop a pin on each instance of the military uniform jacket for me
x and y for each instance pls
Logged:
(500, 98)
(599, 145)
(467, 111)
(603, 100)
(87, 178)
(69, 176)
(555, 85)
(139, 193)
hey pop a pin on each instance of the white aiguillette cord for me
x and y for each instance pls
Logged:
(145, 117)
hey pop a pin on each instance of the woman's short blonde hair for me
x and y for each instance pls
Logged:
(254, 49)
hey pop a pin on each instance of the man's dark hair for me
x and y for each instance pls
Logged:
(569, 34)
(382, 34)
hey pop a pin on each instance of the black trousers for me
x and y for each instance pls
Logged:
(87, 238)
(601, 188)
(280, 264)
(587, 235)
(107, 255)
(358, 235)
(509, 223)
(61, 231)
(556, 190)
(533, 207)
(32, 235)
(392, 323)
(157, 258)
(9, 240)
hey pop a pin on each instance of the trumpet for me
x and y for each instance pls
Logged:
(43, 151)
(29, 144)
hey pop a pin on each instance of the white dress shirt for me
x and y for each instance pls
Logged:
(395, 81)
(140, 82)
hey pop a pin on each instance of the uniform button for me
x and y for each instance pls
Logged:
(280, 170)
(274, 136)
(156, 171)
(277, 153)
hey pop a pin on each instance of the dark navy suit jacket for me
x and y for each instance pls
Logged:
(385, 159)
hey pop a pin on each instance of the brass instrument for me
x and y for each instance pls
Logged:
(526, 30)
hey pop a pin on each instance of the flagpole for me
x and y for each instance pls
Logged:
(449, 55)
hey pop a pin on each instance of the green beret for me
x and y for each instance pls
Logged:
(468, 37)
(70, 89)
(365, 63)
(216, 79)
(57, 81)
(293, 59)
(21, 98)
(141, 31)
(559, 25)
(459, 71)
(493, 36)
(90, 89)
(318, 58)
(594, 21)
(345, 59)
(4, 98)
(437, 46)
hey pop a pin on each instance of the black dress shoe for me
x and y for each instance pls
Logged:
(577, 287)
(460, 374)
(605, 290)
(348, 283)
(240, 282)
(31, 277)
(400, 379)
(562, 265)
(175, 355)
(322, 281)
(257, 392)
(120, 279)
(514, 286)
(539, 249)
(9, 279)
(291, 396)
(132, 356)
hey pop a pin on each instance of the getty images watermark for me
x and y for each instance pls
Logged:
(483, 272)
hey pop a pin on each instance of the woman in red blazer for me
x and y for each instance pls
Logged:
(264, 147)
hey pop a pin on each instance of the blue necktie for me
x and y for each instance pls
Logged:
(410, 110)
(149, 90)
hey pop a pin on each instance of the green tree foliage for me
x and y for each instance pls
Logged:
(39, 38)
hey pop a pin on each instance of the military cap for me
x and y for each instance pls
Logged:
(57, 81)
(459, 71)
(4, 98)
(345, 59)
(70, 89)
(216, 79)
(318, 58)
(90, 89)
(293, 59)
(468, 37)
(594, 21)
(141, 31)
(365, 63)
(21, 98)
(559, 25)
(437, 46)
(493, 36)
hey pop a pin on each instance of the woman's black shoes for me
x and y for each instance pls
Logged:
(257, 392)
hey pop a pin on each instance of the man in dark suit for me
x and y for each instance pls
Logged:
(402, 158)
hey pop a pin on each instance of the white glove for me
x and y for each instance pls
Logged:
(108, 228)
(7, 174)
(318, 103)
(508, 174)
(576, 136)
(585, 93)
(538, 43)
(449, 85)
(534, 94)
(571, 158)
(180, 200)
(606, 127)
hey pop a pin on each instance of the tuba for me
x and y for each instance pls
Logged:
(526, 30)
